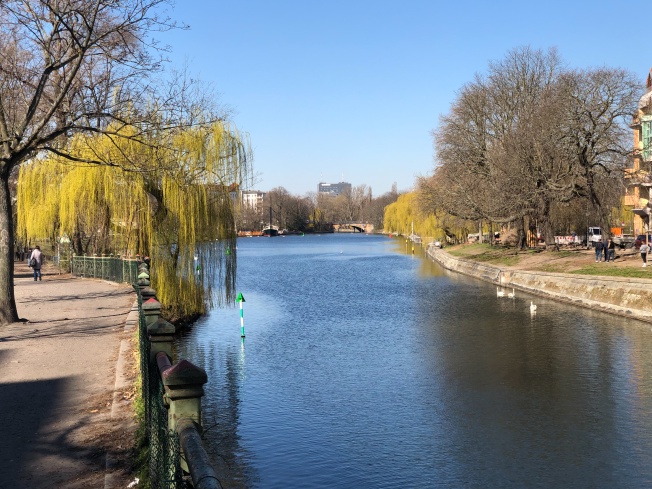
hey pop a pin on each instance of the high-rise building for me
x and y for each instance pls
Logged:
(334, 189)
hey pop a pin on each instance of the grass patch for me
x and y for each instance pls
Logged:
(141, 449)
(553, 269)
(485, 253)
(604, 271)
(498, 259)
(471, 249)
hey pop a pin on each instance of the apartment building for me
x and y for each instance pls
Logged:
(253, 199)
(639, 178)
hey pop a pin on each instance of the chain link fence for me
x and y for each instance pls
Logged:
(163, 444)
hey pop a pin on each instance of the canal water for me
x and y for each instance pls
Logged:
(365, 366)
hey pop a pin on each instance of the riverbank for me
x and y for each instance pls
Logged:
(622, 287)
(67, 383)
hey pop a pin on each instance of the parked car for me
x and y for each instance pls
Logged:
(624, 241)
(640, 239)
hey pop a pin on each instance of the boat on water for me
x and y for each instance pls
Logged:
(270, 231)
(415, 238)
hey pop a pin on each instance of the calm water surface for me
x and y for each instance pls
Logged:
(365, 366)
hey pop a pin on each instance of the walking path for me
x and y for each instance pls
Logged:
(57, 383)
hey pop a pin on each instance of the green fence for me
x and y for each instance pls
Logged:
(163, 444)
(110, 268)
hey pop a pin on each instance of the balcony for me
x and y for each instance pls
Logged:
(638, 177)
(631, 200)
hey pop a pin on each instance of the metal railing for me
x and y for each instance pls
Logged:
(170, 441)
(115, 269)
(163, 444)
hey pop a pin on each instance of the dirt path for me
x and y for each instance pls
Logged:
(57, 377)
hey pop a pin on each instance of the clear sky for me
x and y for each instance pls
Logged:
(352, 89)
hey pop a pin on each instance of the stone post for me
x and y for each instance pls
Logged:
(161, 337)
(151, 311)
(143, 280)
(184, 389)
(147, 293)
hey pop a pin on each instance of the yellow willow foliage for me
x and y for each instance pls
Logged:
(210, 155)
(38, 201)
(68, 199)
(430, 227)
(399, 215)
(168, 200)
(404, 217)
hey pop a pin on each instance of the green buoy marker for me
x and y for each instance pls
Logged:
(241, 299)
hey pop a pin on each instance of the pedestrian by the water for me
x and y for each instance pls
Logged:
(644, 249)
(36, 261)
(599, 246)
(605, 246)
(611, 250)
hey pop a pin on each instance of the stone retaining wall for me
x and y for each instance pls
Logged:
(630, 297)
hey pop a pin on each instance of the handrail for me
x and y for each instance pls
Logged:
(177, 389)
(201, 471)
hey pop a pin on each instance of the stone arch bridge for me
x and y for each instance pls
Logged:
(353, 227)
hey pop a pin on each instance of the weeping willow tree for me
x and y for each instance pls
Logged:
(404, 217)
(410, 213)
(171, 204)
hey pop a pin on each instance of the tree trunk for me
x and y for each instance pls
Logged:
(549, 235)
(546, 225)
(8, 312)
(520, 233)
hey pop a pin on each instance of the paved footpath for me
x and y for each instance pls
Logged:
(60, 412)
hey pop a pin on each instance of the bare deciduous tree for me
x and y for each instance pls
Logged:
(529, 138)
(77, 67)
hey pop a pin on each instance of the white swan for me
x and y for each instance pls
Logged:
(500, 293)
(533, 307)
(512, 294)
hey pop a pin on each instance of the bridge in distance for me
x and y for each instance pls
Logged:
(353, 227)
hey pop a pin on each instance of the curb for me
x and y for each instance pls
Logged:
(118, 405)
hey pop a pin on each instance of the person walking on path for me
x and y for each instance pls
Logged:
(611, 250)
(644, 249)
(36, 261)
(599, 246)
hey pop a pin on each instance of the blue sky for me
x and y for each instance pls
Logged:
(353, 89)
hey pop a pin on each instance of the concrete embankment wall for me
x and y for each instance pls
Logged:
(622, 296)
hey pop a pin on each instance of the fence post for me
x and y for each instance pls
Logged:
(143, 280)
(147, 293)
(151, 311)
(184, 388)
(161, 337)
